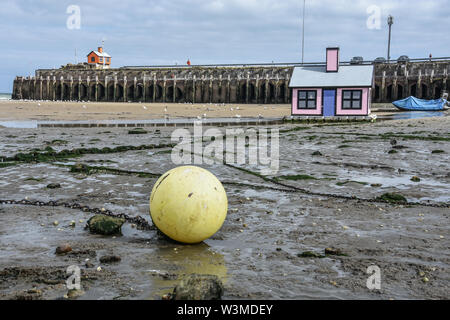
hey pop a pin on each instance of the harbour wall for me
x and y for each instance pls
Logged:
(265, 84)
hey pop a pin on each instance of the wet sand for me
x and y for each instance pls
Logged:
(330, 176)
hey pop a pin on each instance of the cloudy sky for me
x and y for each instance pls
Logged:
(34, 34)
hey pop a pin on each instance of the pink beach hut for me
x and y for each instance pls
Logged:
(332, 90)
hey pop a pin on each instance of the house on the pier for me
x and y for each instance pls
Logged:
(332, 90)
(99, 58)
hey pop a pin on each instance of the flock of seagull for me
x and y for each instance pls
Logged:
(166, 116)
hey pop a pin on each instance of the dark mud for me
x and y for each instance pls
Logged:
(273, 243)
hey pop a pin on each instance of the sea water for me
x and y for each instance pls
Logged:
(5, 96)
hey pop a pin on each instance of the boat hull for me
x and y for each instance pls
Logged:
(414, 104)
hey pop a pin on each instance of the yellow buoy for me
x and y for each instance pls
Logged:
(188, 204)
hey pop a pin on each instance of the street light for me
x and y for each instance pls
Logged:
(390, 23)
(303, 33)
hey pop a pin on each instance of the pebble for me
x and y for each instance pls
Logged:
(55, 223)
(99, 269)
(425, 279)
(72, 223)
(74, 293)
(110, 259)
(63, 249)
(167, 296)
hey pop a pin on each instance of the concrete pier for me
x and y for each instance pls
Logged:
(267, 84)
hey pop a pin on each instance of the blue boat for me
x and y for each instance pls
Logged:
(414, 104)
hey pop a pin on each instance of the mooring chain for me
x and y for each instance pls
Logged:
(140, 222)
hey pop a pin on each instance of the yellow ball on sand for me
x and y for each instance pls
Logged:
(188, 204)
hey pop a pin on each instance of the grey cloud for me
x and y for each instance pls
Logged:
(142, 32)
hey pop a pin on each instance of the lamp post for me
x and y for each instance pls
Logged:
(390, 23)
(303, 32)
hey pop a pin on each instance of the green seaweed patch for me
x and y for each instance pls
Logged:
(7, 164)
(297, 177)
(310, 254)
(393, 151)
(437, 151)
(392, 198)
(49, 154)
(137, 131)
(295, 129)
(35, 179)
(413, 137)
(163, 152)
(415, 179)
(88, 170)
(335, 252)
(343, 183)
(105, 225)
(317, 153)
(344, 146)
(57, 142)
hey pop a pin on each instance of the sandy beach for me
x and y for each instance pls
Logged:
(73, 111)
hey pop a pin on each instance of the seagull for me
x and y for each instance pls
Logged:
(231, 109)
(238, 116)
(237, 108)
(39, 104)
(84, 107)
(145, 108)
(199, 118)
(204, 115)
(260, 116)
(165, 109)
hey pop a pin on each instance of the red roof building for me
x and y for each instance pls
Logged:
(100, 58)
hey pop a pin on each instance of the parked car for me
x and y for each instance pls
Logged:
(403, 59)
(379, 60)
(357, 60)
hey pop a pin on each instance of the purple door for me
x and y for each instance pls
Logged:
(329, 103)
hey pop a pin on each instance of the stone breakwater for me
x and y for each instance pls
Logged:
(220, 84)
